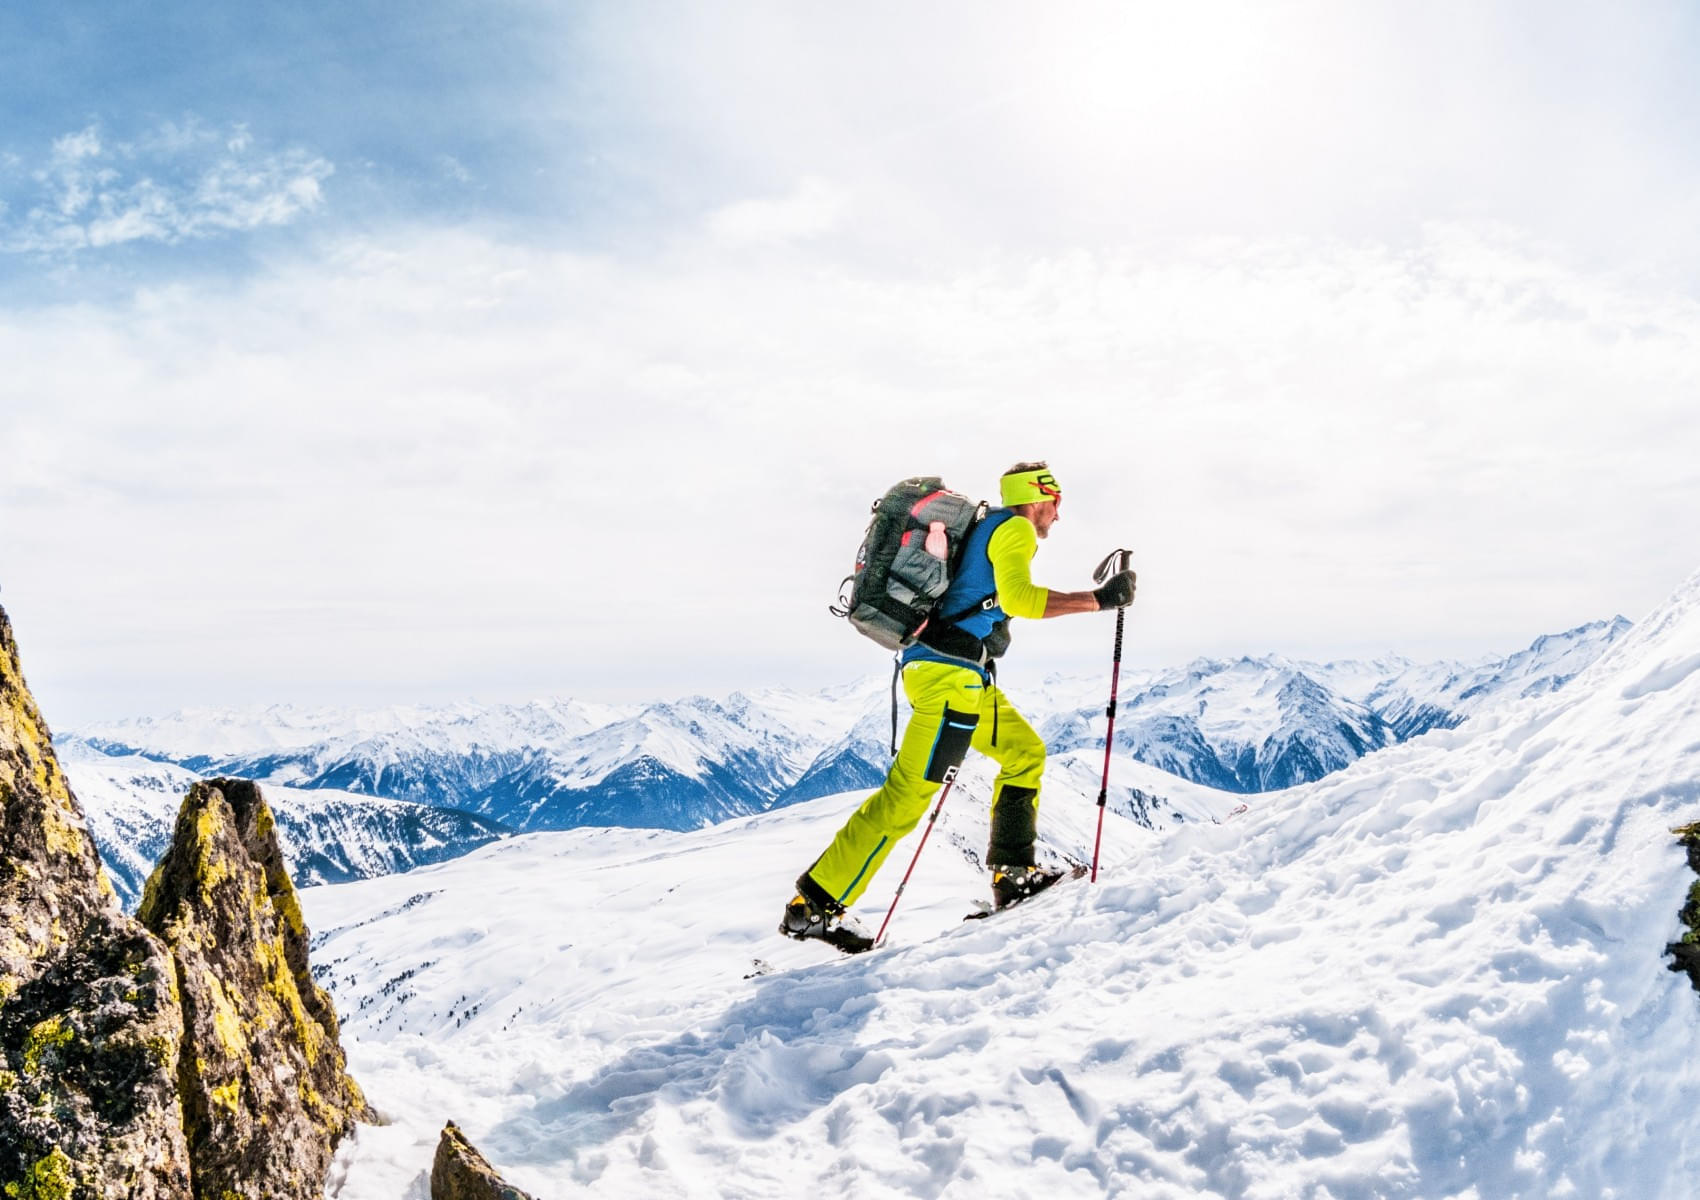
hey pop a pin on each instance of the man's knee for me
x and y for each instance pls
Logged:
(1024, 757)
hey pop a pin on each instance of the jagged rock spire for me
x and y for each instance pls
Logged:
(459, 1172)
(266, 1096)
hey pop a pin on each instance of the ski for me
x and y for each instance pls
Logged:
(984, 908)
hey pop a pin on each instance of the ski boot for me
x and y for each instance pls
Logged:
(810, 916)
(1012, 885)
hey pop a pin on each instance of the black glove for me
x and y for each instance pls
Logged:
(1117, 591)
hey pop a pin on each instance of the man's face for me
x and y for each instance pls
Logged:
(1046, 515)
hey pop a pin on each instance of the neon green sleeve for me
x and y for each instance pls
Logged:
(1011, 549)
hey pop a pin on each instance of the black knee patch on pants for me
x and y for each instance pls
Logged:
(956, 731)
(1014, 826)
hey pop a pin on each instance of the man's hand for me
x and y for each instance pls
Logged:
(1117, 591)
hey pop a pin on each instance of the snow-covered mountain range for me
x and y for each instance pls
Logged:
(1438, 972)
(328, 836)
(1246, 725)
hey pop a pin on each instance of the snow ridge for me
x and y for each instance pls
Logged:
(1436, 972)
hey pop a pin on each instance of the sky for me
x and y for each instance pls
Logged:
(516, 349)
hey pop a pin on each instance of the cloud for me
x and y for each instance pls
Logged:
(635, 476)
(178, 183)
(959, 127)
(814, 207)
(1367, 326)
(74, 147)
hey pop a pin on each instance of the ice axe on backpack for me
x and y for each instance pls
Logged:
(1114, 563)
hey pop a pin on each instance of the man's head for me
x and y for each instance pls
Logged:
(1031, 490)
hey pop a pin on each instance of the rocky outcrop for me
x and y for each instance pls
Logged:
(184, 1055)
(90, 1028)
(265, 1092)
(459, 1172)
(1685, 952)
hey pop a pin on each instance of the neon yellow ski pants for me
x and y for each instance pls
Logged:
(953, 711)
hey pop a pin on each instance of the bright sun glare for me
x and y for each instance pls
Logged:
(1155, 74)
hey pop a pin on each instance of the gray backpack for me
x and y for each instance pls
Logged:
(908, 557)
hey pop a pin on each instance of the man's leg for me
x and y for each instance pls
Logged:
(1020, 754)
(946, 700)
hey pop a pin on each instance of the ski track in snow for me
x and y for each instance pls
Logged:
(1438, 973)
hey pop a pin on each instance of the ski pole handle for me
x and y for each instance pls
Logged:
(1115, 562)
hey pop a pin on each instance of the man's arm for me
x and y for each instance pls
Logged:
(1060, 604)
(1011, 550)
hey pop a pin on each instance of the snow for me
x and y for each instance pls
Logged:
(1438, 972)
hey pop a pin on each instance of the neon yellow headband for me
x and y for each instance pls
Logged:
(1030, 487)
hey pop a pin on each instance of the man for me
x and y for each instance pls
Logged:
(949, 680)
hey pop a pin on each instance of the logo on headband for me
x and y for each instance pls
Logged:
(1036, 485)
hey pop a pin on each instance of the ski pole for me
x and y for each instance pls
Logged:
(1114, 563)
(949, 781)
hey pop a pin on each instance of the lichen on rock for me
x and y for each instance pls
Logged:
(54, 884)
(1685, 951)
(89, 1027)
(265, 1091)
(459, 1172)
(50, 1178)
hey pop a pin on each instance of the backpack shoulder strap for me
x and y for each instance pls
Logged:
(990, 522)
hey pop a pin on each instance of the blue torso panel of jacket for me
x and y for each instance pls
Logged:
(974, 580)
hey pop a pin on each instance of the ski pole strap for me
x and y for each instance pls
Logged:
(1115, 562)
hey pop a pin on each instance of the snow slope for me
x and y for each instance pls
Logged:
(1437, 973)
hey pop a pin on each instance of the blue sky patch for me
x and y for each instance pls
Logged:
(190, 125)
